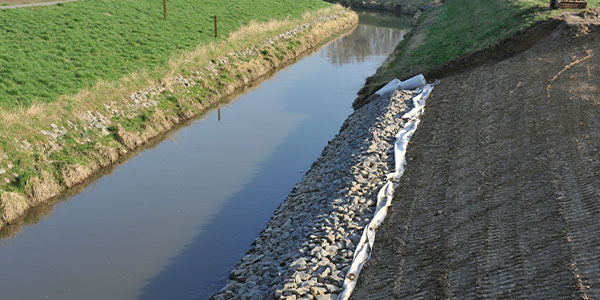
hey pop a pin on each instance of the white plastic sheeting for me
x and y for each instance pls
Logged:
(362, 252)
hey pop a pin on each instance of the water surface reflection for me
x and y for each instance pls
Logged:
(364, 42)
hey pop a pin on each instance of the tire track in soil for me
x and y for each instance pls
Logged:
(501, 196)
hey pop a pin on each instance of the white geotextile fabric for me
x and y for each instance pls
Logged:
(362, 252)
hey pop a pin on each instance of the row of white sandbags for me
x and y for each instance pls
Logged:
(362, 252)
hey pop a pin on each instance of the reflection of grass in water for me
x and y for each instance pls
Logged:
(383, 20)
(365, 41)
(377, 35)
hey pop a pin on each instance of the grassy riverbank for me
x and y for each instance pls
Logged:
(51, 145)
(457, 28)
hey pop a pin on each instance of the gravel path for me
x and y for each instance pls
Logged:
(36, 4)
(502, 197)
(306, 248)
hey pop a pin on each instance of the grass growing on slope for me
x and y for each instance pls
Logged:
(460, 27)
(46, 52)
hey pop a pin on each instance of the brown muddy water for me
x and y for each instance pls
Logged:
(172, 221)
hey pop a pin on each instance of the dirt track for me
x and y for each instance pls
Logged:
(501, 197)
(30, 3)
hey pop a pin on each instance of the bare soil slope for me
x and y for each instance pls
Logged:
(501, 198)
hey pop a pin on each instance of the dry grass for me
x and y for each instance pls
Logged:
(42, 188)
(254, 28)
(12, 206)
(17, 115)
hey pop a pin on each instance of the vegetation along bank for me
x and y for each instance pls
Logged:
(94, 80)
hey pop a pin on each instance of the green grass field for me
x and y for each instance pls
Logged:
(460, 27)
(46, 52)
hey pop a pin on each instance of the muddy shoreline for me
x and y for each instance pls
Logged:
(273, 54)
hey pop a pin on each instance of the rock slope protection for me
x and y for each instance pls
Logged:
(501, 199)
(307, 246)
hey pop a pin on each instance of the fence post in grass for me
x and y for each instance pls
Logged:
(216, 33)
(165, 9)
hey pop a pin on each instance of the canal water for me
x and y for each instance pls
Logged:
(171, 222)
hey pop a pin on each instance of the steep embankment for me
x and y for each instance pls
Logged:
(501, 198)
(460, 34)
(53, 147)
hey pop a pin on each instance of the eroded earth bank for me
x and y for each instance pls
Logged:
(501, 198)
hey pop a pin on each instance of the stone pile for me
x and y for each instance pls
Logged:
(307, 246)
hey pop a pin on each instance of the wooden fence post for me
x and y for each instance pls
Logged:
(216, 32)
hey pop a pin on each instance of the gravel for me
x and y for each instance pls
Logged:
(307, 246)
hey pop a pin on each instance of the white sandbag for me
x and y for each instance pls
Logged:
(364, 248)
(409, 84)
(414, 82)
(390, 86)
